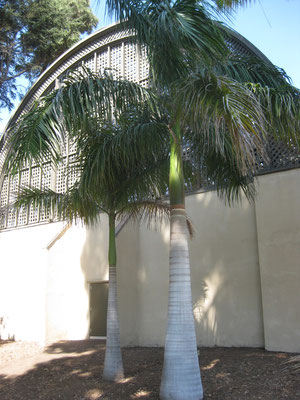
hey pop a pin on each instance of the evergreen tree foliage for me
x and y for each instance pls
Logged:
(33, 33)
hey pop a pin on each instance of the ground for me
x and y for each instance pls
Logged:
(72, 370)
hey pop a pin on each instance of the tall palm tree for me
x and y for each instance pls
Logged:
(190, 60)
(121, 171)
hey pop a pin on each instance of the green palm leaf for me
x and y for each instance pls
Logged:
(222, 110)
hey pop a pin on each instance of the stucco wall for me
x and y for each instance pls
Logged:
(224, 270)
(244, 265)
(23, 272)
(75, 260)
(153, 281)
(278, 227)
(128, 259)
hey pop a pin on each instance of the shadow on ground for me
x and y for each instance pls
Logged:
(73, 371)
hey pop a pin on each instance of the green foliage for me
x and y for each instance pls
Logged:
(122, 149)
(33, 34)
(226, 103)
(176, 34)
(54, 26)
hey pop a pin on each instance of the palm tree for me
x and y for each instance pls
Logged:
(220, 118)
(121, 170)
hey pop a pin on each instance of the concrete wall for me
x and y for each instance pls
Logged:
(225, 272)
(23, 269)
(244, 267)
(225, 276)
(75, 260)
(153, 282)
(278, 227)
(128, 259)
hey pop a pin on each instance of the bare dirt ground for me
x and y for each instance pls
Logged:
(73, 370)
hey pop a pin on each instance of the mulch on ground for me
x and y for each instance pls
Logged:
(72, 370)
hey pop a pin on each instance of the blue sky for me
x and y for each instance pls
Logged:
(274, 27)
(271, 25)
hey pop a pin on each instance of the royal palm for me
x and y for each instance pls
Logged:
(222, 119)
(120, 169)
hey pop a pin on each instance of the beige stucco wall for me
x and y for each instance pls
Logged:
(224, 270)
(278, 226)
(75, 260)
(244, 267)
(44, 293)
(128, 258)
(23, 269)
(153, 281)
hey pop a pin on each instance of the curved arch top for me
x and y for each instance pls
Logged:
(97, 43)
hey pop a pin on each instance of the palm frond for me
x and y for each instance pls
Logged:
(69, 206)
(178, 32)
(221, 109)
(228, 5)
(84, 94)
(292, 364)
(115, 157)
(282, 109)
(250, 69)
(219, 170)
(190, 227)
(34, 138)
(145, 211)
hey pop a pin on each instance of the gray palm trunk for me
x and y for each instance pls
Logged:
(113, 364)
(181, 378)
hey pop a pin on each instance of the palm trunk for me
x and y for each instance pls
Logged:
(181, 379)
(113, 364)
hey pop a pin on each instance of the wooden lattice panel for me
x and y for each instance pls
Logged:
(4, 202)
(90, 63)
(45, 183)
(130, 62)
(4, 192)
(280, 156)
(102, 61)
(283, 156)
(61, 183)
(35, 182)
(72, 170)
(13, 190)
(144, 67)
(116, 61)
(23, 212)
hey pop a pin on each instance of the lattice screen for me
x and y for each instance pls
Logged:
(116, 61)
(90, 63)
(280, 156)
(130, 62)
(102, 61)
(144, 68)
(35, 182)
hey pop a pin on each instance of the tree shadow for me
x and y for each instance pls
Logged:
(73, 371)
(75, 346)
(77, 374)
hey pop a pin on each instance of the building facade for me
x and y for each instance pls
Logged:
(244, 259)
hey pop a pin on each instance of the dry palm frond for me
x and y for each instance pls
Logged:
(292, 364)
(190, 227)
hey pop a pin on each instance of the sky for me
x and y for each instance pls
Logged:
(273, 26)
